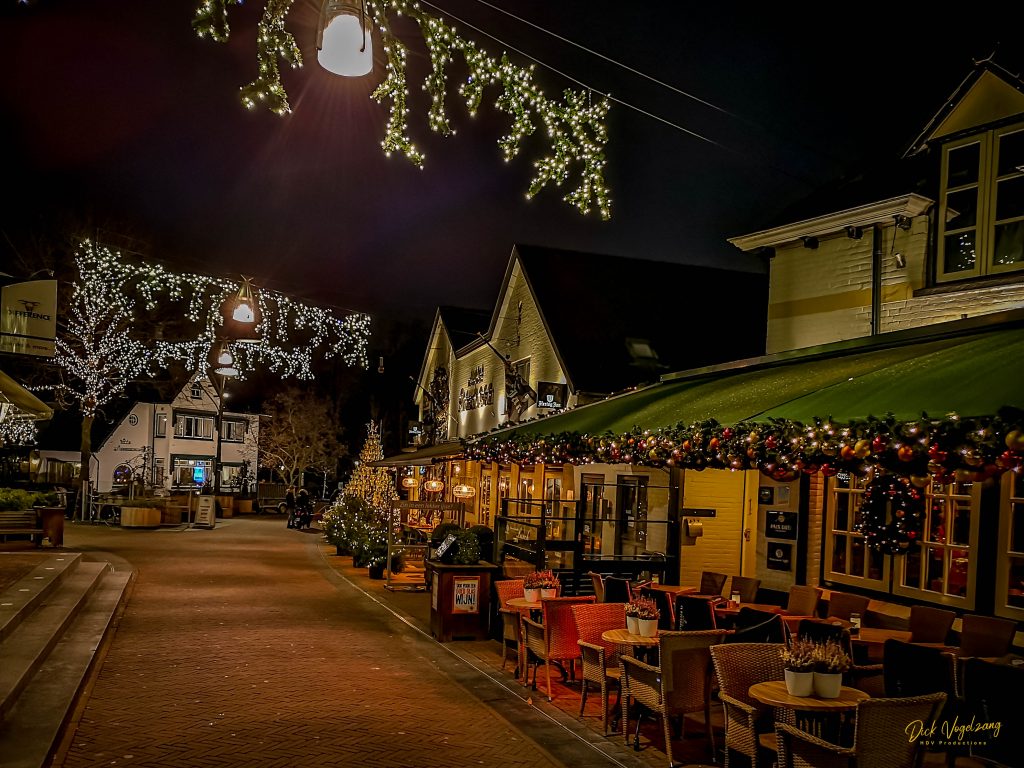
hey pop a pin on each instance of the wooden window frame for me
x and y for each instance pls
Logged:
(854, 493)
(1007, 501)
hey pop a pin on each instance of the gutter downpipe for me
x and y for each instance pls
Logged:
(876, 279)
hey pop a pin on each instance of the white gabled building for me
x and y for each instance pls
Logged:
(174, 445)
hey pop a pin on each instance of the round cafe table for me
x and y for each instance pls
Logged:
(824, 718)
(628, 643)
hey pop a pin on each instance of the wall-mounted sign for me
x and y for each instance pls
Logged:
(476, 396)
(466, 597)
(766, 495)
(28, 318)
(779, 524)
(780, 556)
(552, 395)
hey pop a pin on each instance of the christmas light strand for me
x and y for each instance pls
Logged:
(574, 127)
(927, 449)
(17, 429)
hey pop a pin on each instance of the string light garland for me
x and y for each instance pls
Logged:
(900, 532)
(17, 429)
(574, 128)
(940, 449)
(292, 332)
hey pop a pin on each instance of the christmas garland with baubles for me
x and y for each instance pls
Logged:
(921, 450)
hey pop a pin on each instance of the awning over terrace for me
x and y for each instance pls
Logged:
(432, 454)
(13, 395)
(972, 368)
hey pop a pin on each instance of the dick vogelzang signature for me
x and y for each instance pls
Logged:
(951, 732)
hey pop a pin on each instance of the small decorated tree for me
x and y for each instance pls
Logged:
(374, 485)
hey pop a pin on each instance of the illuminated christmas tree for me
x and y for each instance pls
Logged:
(374, 485)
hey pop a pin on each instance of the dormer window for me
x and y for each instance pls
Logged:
(197, 390)
(981, 217)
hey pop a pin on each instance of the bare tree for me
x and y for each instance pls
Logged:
(301, 434)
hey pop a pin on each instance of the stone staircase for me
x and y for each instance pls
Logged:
(52, 623)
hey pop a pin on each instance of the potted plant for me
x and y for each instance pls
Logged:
(799, 660)
(646, 614)
(531, 586)
(549, 584)
(467, 547)
(830, 662)
(632, 614)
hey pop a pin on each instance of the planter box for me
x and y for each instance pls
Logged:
(140, 517)
(460, 600)
(51, 520)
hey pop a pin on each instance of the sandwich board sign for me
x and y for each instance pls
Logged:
(205, 512)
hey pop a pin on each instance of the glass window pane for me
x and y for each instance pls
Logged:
(912, 569)
(959, 253)
(842, 522)
(961, 529)
(1011, 153)
(936, 564)
(1017, 528)
(963, 165)
(839, 554)
(963, 208)
(1015, 585)
(1009, 199)
(1009, 248)
(956, 583)
(856, 556)
(876, 564)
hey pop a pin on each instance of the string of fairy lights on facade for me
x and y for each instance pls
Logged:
(17, 429)
(291, 332)
(573, 127)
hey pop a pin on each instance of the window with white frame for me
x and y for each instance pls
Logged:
(159, 470)
(1009, 587)
(160, 425)
(189, 425)
(234, 431)
(942, 568)
(197, 390)
(485, 497)
(192, 471)
(847, 558)
(981, 216)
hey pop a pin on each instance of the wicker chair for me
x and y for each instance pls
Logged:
(712, 583)
(600, 659)
(992, 695)
(509, 589)
(694, 614)
(555, 640)
(930, 625)
(746, 587)
(880, 739)
(597, 582)
(617, 590)
(680, 685)
(738, 666)
(986, 636)
(663, 601)
(771, 630)
(841, 605)
(803, 601)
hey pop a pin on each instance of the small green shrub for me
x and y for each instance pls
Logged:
(485, 536)
(441, 531)
(467, 547)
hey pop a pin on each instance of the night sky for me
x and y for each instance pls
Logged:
(115, 111)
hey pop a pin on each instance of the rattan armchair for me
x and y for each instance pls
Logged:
(712, 583)
(738, 666)
(600, 659)
(880, 739)
(803, 601)
(986, 635)
(509, 589)
(597, 582)
(679, 685)
(930, 625)
(842, 604)
(555, 640)
(746, 587)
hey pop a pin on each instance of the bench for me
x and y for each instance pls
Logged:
(14, 522)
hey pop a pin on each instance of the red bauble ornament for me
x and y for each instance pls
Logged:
(771, 443)
(726, 433)
(879, 444)
(828, 470)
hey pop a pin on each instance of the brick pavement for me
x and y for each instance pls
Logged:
(241, 646)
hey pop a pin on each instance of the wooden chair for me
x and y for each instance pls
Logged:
(748, 617)
(992, 695)
(600, 659)
(555, 640)
(930, 625)
(712, 583)
(880, 739)
(617, 590)
(738, 666)
(841, 605)
(597, 581)
(747, 588)
(663, 601)
(986, 635)
(803, 601)
(679, 685)
(694, 614)
(771, 630)
(509, 589)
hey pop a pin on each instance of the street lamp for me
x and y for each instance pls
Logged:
(221, 367)
(241, 315)
(344, 45)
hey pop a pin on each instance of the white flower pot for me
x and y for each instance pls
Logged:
(546, 593)
(799, 683)
(631, 625)
(827, 684)
(531, 595)
(648, 627)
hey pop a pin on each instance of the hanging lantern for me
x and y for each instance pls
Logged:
(410, 481)
(433, 485)
(463, 491)
(222, 360)
(242, 315)
(344, 44)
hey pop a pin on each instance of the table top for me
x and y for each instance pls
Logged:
(522, 602)
(876, 636)
(625, 637)
(674, 589)
(774, 693)
(728, 607)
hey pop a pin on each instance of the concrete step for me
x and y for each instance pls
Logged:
(28, 646)
(22, 598)
(31, 729)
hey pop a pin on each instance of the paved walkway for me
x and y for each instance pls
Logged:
(242, 645)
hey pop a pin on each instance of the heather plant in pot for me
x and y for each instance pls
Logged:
(799, 660)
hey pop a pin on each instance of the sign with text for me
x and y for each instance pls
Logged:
(780, 556)
(551, 395)
(206, 512)
(466, 598)
(779, 524)
(28, 318)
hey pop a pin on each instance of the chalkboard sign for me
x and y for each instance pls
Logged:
(779, 524)
(444, 545)
(780, 556)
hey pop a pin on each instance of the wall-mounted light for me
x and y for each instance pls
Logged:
(809, 242)
(903, 222)
(433, 485)
(900, 260)
(464, 491)
(344, 44)
(410, 481)
(854, 233)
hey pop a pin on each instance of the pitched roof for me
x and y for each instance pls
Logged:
(464, 324)
(689, 315)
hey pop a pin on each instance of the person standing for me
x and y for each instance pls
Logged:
(303, 509)
(289, 506)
